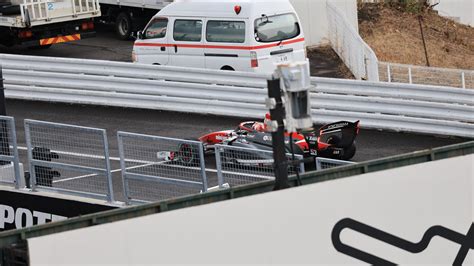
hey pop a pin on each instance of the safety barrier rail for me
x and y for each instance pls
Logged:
(351, 48)
(10, 173)
(69, 159)
(379, 105)
(157, 168)
(326, 163)
(460, 78)
(10, 238)
(237, 166)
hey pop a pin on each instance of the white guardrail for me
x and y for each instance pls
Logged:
(388, 106)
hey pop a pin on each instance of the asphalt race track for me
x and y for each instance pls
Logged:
(371, 144)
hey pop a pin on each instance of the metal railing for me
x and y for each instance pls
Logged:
(237, 166)
(326, 163)
(157, 168)
(411, 74)
(379, 105)
(9, 159)
(351, 48)
(69, 159)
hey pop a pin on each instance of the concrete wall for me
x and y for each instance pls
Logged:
(289, 227)
(459, 10)
(314, 18)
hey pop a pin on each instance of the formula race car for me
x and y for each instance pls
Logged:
(335, 140)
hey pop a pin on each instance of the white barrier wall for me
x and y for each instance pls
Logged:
(295, 226)
(313, 16)
(460, 10)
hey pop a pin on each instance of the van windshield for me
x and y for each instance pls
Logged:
(276, 28)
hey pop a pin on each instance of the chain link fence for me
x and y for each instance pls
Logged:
(400, 73)
(238, 166)
(326, 163)
(69, 159)
(157, 168)
(10, 172)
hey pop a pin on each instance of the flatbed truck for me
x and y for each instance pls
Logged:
(42, 23)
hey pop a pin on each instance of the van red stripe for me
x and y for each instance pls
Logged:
(220, 46)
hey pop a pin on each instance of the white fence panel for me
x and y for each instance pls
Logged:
(350, 47)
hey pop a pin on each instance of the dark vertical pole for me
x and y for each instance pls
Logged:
(420, 19)
(278, 137)
(4, 144)
(3, 108)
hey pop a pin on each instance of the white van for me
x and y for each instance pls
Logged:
(240, 35)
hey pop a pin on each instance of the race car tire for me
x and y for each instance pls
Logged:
(349, 152)
(186, 154)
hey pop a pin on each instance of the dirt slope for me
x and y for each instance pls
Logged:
(395, 36)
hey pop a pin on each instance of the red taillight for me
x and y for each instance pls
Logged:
(25, 34)
(253, 60)
(87, 25)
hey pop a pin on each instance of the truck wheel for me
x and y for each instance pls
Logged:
(123, 26)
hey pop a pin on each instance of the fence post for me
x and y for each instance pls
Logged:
(30, 157)
(220, 176)
(410, 78)
(4, 143)
(110, 190)
(389, 75)
(126, 189)
(203, 168)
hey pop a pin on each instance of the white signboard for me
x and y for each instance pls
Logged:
(420, 214)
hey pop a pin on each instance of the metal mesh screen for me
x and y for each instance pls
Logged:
(326, 163)
(69, 159)
(156, 168)
(240, 166)
(9, 161)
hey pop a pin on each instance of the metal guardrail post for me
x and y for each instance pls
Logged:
(30, 157)
(110, 196)
(220, 176)
(410, 78)
(389, 75)
(16, 157)
(463, 80)
(126, 189)
(203, 167)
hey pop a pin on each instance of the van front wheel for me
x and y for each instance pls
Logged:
(123, 26)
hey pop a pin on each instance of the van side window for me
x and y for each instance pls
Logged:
(156, 29)
(187, 30)
(226, 31)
